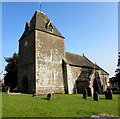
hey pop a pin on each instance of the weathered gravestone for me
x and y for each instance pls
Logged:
(108, 95)
(8, 91)
(89, 91)
(49, 96)
(85, 94)
(95, 96)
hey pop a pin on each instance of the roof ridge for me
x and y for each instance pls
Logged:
(89, 60)
(44, 15)
(40, 11)
(79, 60)
(38, 22)
(94, 65)
(74, 53)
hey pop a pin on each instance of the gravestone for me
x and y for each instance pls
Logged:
(89, 91)
(108, 95)
(85, 94)
(49, 96)
(109, 89)
(8, 91)
(95, 96)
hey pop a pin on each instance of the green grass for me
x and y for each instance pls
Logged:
(65, 105)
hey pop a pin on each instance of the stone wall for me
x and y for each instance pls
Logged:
(77, 85)
(104, 79)
(72, 75)
(49, 55)
(42, 68)
(26, 63)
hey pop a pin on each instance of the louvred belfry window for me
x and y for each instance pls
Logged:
(49, 27)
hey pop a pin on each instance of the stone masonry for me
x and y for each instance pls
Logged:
(45, 67)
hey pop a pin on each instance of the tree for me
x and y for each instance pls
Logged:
(117, 76)
(11, 69)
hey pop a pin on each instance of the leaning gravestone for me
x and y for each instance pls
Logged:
(49, 96)
(8, 91)
(108, 95)
(96, 96)
(85, 94)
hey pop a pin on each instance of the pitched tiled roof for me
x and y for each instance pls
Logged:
(85, 75)
(103, 72)
(39, 22)
(80, 61)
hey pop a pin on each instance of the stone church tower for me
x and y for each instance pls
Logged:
(41, 53)
(44, 66)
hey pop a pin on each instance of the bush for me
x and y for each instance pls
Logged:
(116, 90)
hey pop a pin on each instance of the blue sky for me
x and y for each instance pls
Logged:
(88, 27)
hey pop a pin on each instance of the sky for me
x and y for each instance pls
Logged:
(88, 27)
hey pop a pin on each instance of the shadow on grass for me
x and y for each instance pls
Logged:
(102, 99)
(45, 98)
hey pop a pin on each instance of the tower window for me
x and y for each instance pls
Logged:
(25, 43)
(49, 26)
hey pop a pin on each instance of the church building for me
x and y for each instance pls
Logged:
(45, 67)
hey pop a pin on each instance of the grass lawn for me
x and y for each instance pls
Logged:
(65, 105)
